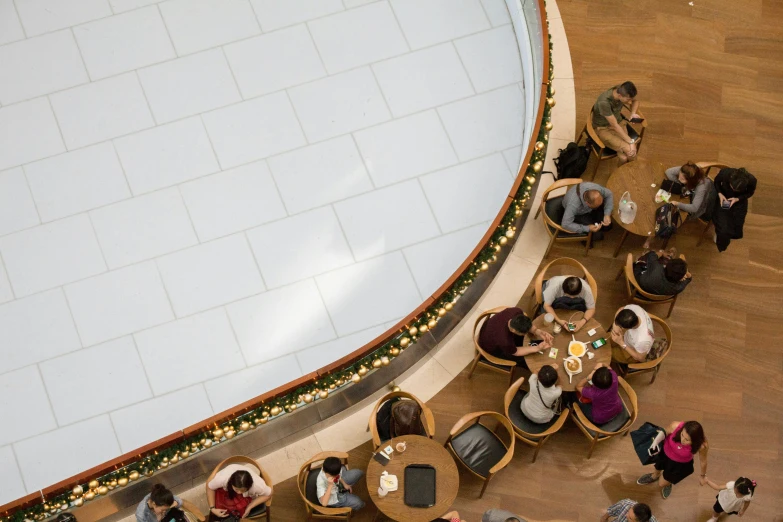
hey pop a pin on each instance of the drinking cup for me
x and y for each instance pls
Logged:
(556, 328)
(382, 491)
(548, 318)
(400, 447)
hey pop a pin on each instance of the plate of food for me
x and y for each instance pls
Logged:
(572, 365)
(577, 348)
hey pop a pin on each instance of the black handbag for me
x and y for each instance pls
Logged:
(644, 442)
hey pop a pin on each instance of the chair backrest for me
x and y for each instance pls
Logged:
(669, 339)
(634, 406)
(471, 418)
(632, 286)
(545, 197)
(510, 393)
(564, 261)
(477, 329)
(427, 419)
(313, 464)
(239, 459)
(709, 166)
(598, 143)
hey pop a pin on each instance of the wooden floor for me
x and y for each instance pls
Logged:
(710, 81)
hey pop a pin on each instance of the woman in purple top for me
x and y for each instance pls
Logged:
(606, 403)
(683, 440)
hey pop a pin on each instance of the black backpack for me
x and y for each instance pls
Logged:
(572, 161)
(667, 219)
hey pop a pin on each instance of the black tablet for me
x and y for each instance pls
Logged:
(419, 485)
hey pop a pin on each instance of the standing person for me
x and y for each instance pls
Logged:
(733, 498)
(503, 335)
(334, 485)
(235, 491)
(538, 405)
(156, 504)
(608, 118)
(605, 402)
(734, 188)
(683, 440)
(632, 335)
(588, 208)
(628, 510)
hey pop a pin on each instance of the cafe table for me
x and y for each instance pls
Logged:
(419, 450)
(536, 361)
(642, 179)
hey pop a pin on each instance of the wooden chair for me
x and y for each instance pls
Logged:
(653, 366)
(708, 166)
(525, 430)
(596, 144)
(479, 448)
(191, 511)
(485, 359)
(553, 214)
(427, 419)
(307, 485)
(621, 424)
(636, 294)
(538, 286)
(258, 512)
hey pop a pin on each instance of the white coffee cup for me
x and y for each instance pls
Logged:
(400, 447)
(548, 318)
(382, 491)
(556, 328)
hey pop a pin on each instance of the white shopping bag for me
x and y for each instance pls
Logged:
(627, 208)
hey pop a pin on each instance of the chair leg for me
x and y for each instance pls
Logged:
(472, 366)
(703, 233)
(597, 163)
(539, 210)
(535, 453)
(511, 376)
(671, 307)
(665, 242)
(484, 487)
(620, 273)
(592, 446)
(551, 242)
(655, 373)
(588, 243)
(620, 244)
(268, 513)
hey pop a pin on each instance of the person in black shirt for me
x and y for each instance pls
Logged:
(734, 187)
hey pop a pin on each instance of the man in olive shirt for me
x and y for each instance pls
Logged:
(608, 120)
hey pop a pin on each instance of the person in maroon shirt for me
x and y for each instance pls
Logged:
(503, 335)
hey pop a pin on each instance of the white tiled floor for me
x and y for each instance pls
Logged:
(226, 187)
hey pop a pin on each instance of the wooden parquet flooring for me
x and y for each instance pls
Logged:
(710, 78)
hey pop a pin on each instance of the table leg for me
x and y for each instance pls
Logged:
(622, 240)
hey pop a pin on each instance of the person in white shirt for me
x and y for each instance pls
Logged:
(538, 404)
(733, 498)
(243, 479)
(569, 286)
(632, 335)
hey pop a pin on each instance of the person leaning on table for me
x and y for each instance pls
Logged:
(632, 335)
(588, 208)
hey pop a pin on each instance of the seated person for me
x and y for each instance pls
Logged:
(539, 403)
(632, 335)
(734, 187)
(588, 208)
(500, 515)
(658, 274)
(570, 293)
(156, 504)
(503, 336)
(451, 516)
(335, 485)
(235, 491)
(396, 418)
(695, 185)
(606, 402)
(608, 120)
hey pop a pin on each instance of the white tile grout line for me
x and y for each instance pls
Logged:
(114, 430)
(239, 345)
(59, 129)
(190, 219)
(278, 192)
(484, 10)
(19, 19)
(8, 278)
(364, 161)
(19, 468)
(298, 121)
(30, 192)
(209, 401)
(168, 297)
(317, 50)
(258, 265)
(413, 277)
(326, 308)
(81, 56)
(48, 398)
(73, 320)
(399, 26)
(345, 237)
(166, 26)
(464, 68)
(147, 101)
(448, 136)
(214, 153)
(392, 117)
(231, 70)
(143, 367)
(429, 206)
(124, 174)
(98, 242)
(255, 15)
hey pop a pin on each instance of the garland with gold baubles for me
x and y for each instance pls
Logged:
(147, 465)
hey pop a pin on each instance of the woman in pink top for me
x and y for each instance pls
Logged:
(683, 440)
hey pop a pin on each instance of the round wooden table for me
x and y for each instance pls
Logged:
(419, 450)
(642, 179)
(603, 354)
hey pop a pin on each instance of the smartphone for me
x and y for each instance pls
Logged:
(571, 327)
(636, 120)
(726, 204)
(598, 343)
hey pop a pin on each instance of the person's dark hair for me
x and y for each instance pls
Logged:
(161, 496)
(675, 270)
(602, 378)
(627, 89)
(745, 486)
(547, 376)
(572, 285)
(626, 318)
(332, 466)
(521, 323)
(239, 479)
(696, 433)
(642, 512)
(739, 180)
(693, 175)
(175, 515)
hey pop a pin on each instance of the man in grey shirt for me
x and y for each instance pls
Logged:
(501, 515)
(588, 207)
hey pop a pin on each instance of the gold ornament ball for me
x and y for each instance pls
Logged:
(78, 490)
(413, 330)
(150, 471)
(244, 426)
(332, 386)
(64, 506)
(449, 306)
(102, 490)
(396, 388)
(218, 433)
(207, 443)
(537, 166)
(551, 91)
(405, 341)
(265, 413)
(262, 420)
(431, 323)
(424, 328)
(163, 465)
(394, 351)
(540, 145)
(275, 410)
(94, 484)
(323, 394)
(122, 481)
(89, 495)
(133, 475)
(230, 434)
(184, 454)
(503, 240)
(78, 502)
(292, 407)
(362, 371)
(441, 312)
(308, 398)
(484, 267)
(71, 497)
(356, 377)
(549, 126)
(340, 382)
(385, 361)
(551, 102)
(376, 363)
(165, 459)
(510, 233)
(530, 179)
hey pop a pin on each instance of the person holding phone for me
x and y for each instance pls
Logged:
(156, 504)
(734, 188)
(569, 293)
(236, 491)
(334, 485)
(608, 117)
